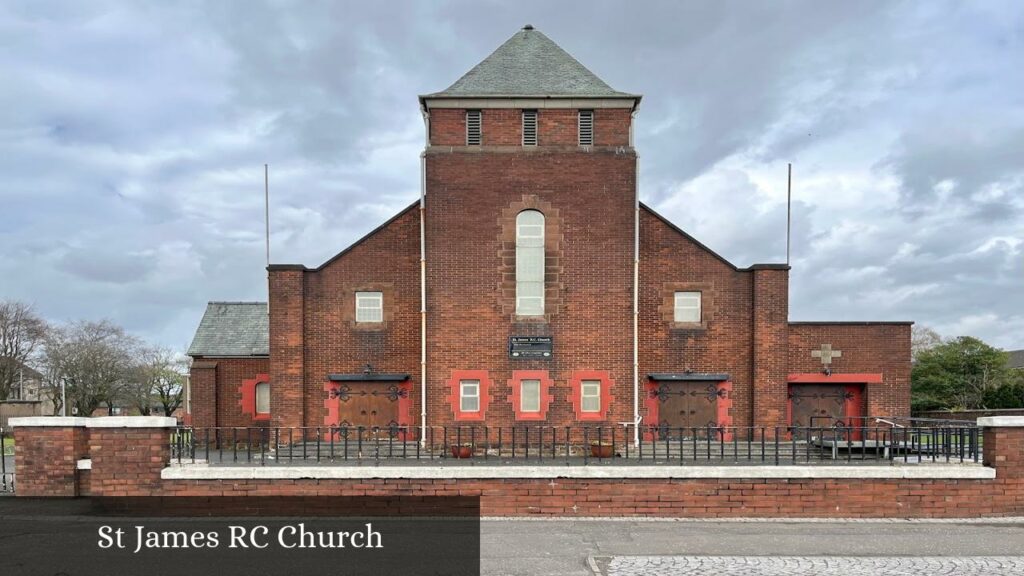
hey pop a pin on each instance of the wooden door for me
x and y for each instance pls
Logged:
(818, 405)
(686, 409)
(372, 406)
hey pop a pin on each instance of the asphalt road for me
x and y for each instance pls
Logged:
(562, 547)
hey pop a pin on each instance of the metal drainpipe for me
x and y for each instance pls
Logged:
(423, 286)
(636, 289)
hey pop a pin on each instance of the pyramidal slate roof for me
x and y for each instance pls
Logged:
(232, 329)
(529, 64)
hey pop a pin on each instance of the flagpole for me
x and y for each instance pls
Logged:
(266, 220)
(789, 209)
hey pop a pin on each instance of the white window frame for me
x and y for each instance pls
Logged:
(527, 303)
(256, 393)
(590, 389)
(684, 305)
(370, 301)
(522, 395)
(464, 386)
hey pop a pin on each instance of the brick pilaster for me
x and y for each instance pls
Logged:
(128, 454)
(287, 363)
(771, 336)
(1003, 445)
(203, 381)
(46, 454)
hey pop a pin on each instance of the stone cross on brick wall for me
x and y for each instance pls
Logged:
(826, 354)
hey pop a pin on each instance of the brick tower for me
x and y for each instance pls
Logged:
(530, 229)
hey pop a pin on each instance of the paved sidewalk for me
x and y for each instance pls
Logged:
(807, 565)
(563, 547)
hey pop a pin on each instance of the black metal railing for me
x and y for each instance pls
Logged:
(576, 445)
(892, 422)
(6, 462)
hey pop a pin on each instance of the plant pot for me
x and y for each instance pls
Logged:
(603, 450)
(462, 451)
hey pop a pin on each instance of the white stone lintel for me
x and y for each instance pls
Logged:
(852, 472)
(99, 422)
(1001, 422)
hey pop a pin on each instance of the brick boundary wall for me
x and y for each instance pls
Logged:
(49, 456)
(129, 457)
(669, 498)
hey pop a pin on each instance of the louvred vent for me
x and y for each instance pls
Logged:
(473, 128)
(586, 128)
(529, 127)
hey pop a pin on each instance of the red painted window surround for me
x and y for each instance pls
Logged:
(247, 391)
(453, 394)
(822, 378)
(545, 393)
(576, 390)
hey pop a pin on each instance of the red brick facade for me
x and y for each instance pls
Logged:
(592, 221)
(215, 394)
(555, 127)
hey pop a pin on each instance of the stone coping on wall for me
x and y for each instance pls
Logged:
(847, 472)
(1001, 422)
(99, 422)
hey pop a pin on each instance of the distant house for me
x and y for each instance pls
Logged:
(1016, 359)
(28, 385)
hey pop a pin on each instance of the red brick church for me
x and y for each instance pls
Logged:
(528, 284)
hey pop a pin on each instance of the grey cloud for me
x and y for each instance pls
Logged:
(133, 136)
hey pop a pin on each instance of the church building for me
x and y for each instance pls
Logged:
(529, 285)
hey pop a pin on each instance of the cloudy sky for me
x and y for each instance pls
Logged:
(133, 137)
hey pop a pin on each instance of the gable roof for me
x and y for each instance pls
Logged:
(1016, 359)
(232, 329)
(717, 256)
(529, 64)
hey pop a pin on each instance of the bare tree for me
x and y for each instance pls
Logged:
(158, 379)
(22, 332)
(94, 361)
(923, 338)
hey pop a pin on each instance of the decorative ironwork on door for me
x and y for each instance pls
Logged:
(687, 409)
(819, 405)
(368, 406)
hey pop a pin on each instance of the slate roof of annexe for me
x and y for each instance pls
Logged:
(529, 64)
(232, 329)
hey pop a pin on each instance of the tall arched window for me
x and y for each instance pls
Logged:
(530, 263)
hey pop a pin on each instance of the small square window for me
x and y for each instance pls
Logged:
(369, 307)
(529, 398)
(687, 307)
(469, 396)
(263, 398)
(590, 393)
